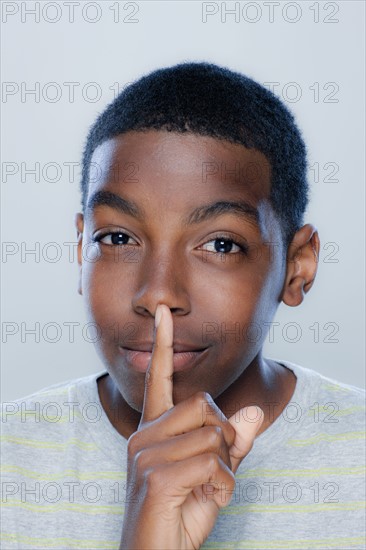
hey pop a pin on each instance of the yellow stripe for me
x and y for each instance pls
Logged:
(292, 508)
(346, 436)
(335, 387)
(48, 444)
(304, 472)
(296, 544)
(243, 510)
(74, 507)
(60, 542)
(10, 468)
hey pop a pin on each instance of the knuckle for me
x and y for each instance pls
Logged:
(231, 433)
(140, 461)
(230, 483)
(228, 488)
(202, 399)
(215, 436)
(133, 445)
(212, 463)
(153, 479)
(202, 396)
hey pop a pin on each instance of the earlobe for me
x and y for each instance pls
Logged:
(301, 265)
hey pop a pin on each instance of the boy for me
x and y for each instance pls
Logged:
(191, 234)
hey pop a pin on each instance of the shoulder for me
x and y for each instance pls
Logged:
(331, 399)
(47, 407)
(325, 384)
(48, 430)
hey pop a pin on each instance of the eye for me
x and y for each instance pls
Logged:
(223, 244)
(117, 238)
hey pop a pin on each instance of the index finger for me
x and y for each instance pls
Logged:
(158, 395)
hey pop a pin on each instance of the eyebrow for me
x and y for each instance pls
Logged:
(201, 214)
(106, 198)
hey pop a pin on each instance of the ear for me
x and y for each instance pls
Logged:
(301, 265)
(79, 223)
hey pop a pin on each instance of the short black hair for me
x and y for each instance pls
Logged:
(210, 100)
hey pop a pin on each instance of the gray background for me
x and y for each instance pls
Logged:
(316, 47)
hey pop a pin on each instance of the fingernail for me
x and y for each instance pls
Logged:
(158, 315)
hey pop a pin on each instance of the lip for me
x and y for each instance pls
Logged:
(148, 346)
(182, 360)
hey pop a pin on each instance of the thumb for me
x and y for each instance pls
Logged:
(246, 423)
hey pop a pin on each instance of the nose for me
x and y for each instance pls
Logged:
(162, 279)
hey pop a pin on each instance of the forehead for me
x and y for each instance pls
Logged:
(185, 159)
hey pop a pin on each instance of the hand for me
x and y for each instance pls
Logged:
(181, 460)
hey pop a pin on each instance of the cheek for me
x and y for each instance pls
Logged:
(264, 308)
(256, 303)
(107, 279)
(229, 306)
(104, 293)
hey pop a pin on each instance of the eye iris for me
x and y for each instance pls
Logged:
(117, 236)
(224, 244)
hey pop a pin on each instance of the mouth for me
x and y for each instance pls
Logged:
(182, 360)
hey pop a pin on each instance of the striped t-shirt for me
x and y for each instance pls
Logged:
(301, 486)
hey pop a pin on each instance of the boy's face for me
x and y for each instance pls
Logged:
(222, 298)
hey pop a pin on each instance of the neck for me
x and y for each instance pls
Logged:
(264, 383)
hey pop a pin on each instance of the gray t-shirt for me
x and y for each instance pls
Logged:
(301, 486)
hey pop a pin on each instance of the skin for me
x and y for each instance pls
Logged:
(182, 458)
(167, 262)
